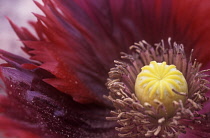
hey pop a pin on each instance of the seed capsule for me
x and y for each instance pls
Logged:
(160, 84)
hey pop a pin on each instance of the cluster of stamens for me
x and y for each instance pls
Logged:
(145, 117)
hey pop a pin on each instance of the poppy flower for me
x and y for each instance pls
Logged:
(110, 68)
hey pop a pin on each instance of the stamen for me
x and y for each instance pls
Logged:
(180, 93)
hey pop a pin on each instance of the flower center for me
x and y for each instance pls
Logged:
(159, 82)
(155, 99)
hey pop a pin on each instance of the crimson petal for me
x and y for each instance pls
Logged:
(39, 109)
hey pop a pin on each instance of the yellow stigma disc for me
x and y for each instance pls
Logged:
(157, 82)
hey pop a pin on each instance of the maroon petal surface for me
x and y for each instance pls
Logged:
(33, 108)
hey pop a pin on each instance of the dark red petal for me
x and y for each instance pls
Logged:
(11, 128)
(35, 108)
(193, 22)
(198, 132)
(186, 21)
(55, 60)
